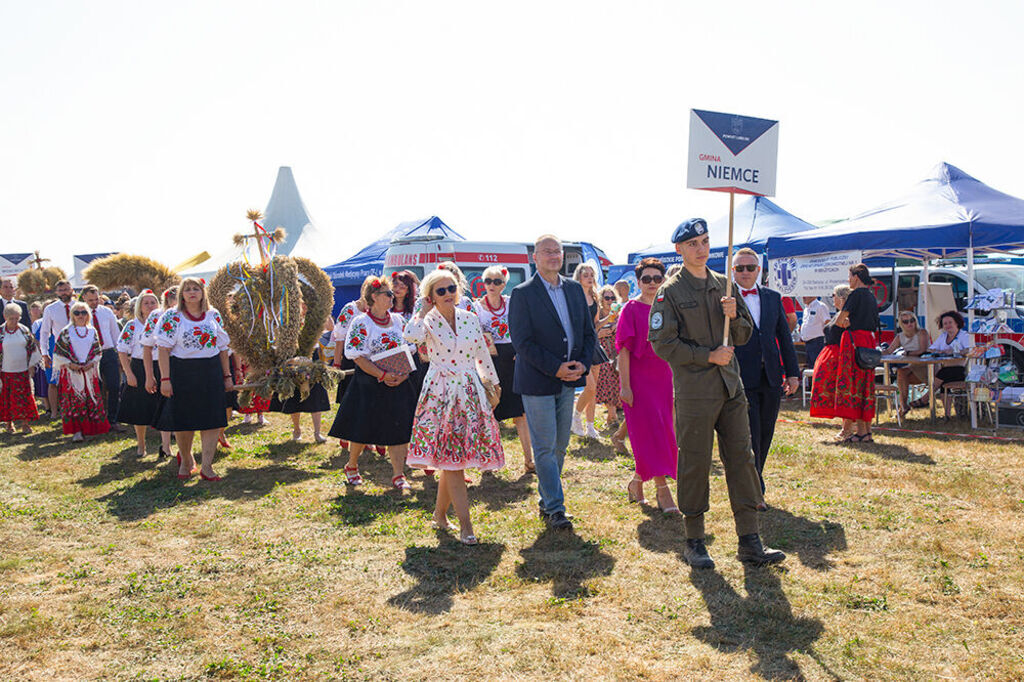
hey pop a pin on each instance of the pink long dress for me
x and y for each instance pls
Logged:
(649, 421)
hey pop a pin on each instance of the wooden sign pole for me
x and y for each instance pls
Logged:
(728, 267)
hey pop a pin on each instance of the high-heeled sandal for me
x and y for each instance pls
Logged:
(635, 496)
(352, 476)
(619, 444)
(666, 510)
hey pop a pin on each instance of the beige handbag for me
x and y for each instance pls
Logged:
(493, 393)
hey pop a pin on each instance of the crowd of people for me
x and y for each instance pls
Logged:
(430, 373)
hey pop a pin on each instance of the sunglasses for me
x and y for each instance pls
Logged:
(498, 281)
(909, 320)
(657, 279)
(80, 313)
(387, 292)
(450, 289)
(608, 298)
(747, 268)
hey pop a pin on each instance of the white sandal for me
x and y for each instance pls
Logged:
(666, 510)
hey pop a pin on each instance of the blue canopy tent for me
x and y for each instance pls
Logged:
(348, 275)
(947, 214)
(755, 220)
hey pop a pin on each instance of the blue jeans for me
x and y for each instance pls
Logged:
(549, 418)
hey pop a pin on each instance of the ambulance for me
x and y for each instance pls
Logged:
(421, 254)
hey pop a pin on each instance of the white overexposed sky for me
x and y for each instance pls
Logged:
(150, 127)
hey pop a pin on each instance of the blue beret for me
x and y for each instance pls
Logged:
(694, 227)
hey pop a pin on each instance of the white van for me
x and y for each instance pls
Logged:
(420, 255)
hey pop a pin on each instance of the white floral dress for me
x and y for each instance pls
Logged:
(453, 428)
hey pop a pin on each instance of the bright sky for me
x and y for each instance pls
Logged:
(150, 127)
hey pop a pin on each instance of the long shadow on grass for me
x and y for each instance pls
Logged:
(125, 466)
(355, 507)
(762, 622)
(444, 571)
(567, 560)
(497, 493)
(898, 453)
(160, 492)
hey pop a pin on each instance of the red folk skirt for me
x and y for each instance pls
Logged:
(16, 399)
(823, 385)
(855, 387)
(82, 413)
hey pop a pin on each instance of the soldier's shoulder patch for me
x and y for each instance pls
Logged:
(661, 297)
(656, 321)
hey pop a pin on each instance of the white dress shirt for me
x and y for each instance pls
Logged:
(55, 318)
(105, 321)
(816, 316)
(753, 302)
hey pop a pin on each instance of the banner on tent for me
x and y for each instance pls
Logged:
(815, 275)
(731, 153)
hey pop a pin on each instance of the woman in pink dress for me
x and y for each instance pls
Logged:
(646, 391)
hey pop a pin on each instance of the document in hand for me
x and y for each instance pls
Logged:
(395, 360)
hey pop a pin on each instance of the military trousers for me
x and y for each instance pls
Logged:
(697, 422)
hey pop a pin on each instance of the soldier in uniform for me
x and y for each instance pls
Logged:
(687, 321)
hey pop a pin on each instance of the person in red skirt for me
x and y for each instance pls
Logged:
(19, 354)
(823, 383)
(855, 387)
(76, 359)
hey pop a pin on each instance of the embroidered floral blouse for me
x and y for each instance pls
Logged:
(189, 339)
(348, 313)
(365, 337)
(130, 339)
(494, 321)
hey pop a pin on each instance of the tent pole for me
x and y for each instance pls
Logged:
(924, 288)
(728, 268)
(970, 287)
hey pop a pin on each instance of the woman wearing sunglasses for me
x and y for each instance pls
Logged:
(607, 374)
(137, 406)
(492, 310)
(914, 341)
(454, 428)
(646, 392)
(76, 360)
(377, 407)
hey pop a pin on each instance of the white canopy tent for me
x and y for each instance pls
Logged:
(285, 209)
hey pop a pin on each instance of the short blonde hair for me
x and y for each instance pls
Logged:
(453, 269)
(431, 281)
(495, 271)
(204, 305)
(79, 305)
(747, 251)
(12, 310)
(842, 291)
(138, 303)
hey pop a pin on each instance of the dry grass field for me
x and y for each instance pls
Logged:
(905, 562)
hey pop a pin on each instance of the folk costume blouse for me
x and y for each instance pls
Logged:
(365, 337)
(348, 313)
(494, 321)
(130, 339)
(189, 339)
(19, 350)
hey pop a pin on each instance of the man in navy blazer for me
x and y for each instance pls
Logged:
(763, 358)
(7, 291)
(553, 336)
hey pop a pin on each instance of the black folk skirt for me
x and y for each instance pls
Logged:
(199, 402)
(316, 401)
(137, 406)
(371, 412)
(511, 404)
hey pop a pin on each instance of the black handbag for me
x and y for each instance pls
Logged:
(867, 358)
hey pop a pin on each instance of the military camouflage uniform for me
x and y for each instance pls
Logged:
(686, 324)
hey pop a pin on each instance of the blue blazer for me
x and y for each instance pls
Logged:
(770, 337)
(539, 339)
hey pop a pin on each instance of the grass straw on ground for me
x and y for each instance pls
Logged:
(905, 562)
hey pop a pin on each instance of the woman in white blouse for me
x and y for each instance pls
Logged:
(454, 428)
(378, 405)
(954, 341)
(168, 301)
(492, 310)
(194, 376)
(136, 406)
(19, 355)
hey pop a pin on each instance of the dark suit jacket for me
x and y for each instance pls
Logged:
(25, 319)
(539, 339)
(770, 337)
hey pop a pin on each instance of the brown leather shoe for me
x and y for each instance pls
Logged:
(751, 551)
(696, 554)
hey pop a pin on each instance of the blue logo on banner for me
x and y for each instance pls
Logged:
(736, 132)
(785, 271)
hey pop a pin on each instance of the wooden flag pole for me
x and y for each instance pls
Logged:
(728, 268)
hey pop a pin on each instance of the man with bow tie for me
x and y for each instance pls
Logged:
(764, 357)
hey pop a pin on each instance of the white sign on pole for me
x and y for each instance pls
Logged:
(814, 275)
(730, 153)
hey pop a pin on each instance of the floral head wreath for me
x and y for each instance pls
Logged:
(202, 281)
(504, 272)
(394, 275)
(146, 291)
(376, 283)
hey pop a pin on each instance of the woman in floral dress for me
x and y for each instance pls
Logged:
(453, 428)
(76, 354)
(607, 372)
(19, 356)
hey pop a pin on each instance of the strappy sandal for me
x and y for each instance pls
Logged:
(866, 438)
(529, 468)
(469, 540)
(635, 496)
(666, 510)
(399, 483)
(620, 445)
(352, 476)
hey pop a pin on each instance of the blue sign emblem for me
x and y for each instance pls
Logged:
(785, 273)
(735, 132)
